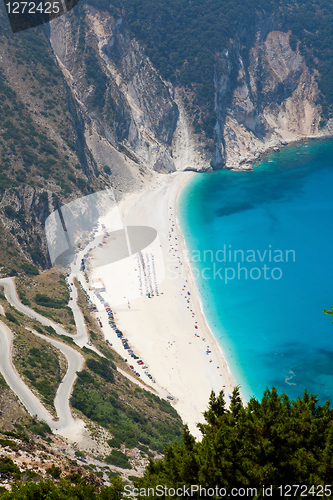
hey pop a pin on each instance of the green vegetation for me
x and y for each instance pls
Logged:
(272, 442)
(54, 471)
(131, 416)
(39, 428)
(44, 300)
(118, 459)
(48, 295)
(104, 368)
(80, 454)
(8, 442)
(2, 382)
(327, 311)
(62, 490)
(116, 443)
(12, 318)
(40, 363)
(8, 469)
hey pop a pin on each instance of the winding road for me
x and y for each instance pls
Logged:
(29, 400)
(81, 337)
(74, 360)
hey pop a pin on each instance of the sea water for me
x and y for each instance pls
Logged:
(264, 303)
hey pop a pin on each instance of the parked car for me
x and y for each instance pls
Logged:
(131, 367)
(140, 362)
(89, 343)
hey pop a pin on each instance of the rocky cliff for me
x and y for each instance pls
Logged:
(265, 96)
(265, 101)
(98, 113)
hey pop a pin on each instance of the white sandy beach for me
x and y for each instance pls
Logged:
(161, 329)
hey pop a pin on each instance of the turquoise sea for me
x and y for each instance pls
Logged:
(268, 316)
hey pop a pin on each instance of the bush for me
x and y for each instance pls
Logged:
(11, 318)
(54, 471)
(71, 177)
(114, 442)
(39, 428)
(29, 269)
(49, 330)
(8, 469)
(118, 459)
(43, 300)
(102, 368)
(85, 377)
(81, 183)
(8, 442)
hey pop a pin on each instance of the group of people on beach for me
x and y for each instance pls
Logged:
(184, 291)
(149, 274)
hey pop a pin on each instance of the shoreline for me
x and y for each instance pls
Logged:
(250, 163)
(168, 330)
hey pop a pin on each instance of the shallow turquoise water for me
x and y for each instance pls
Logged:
(271, 327)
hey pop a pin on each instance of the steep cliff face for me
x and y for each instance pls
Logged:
(263, 100)
(144, 115)
(265, 96)
(26, 210)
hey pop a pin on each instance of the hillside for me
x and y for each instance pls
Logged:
(116, 93)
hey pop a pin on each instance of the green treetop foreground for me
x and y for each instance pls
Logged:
(272, 442)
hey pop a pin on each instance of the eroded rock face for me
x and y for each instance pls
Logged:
(144, 115)
(263, 102)
(25, 211)
(164, 163)
(265, 96)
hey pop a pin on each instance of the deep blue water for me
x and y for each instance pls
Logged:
(272, 331)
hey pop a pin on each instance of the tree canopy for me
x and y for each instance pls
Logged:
(272, 442)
